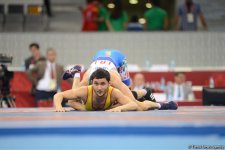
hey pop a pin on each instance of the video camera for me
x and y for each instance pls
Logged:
(5, 76)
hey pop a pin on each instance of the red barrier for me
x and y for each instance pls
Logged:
(196, 77)
(187, 103)
(20, 85)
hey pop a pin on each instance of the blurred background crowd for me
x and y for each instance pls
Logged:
(111, 15)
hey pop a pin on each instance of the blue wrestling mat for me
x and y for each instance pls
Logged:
(42, 128)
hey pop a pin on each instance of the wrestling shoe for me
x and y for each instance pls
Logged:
(168, 105)
(71, 72)
(149, 96)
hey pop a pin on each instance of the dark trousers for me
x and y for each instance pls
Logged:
(44, 98)
(48, 7)
(44, 95)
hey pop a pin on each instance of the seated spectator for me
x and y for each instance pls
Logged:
(134, 25)
(187, 15)
(46, 76)
(143, 92)
(138, 81)
(35, 56)
(156, 18)
(180, 90)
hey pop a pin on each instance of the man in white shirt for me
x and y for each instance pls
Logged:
(46, 75)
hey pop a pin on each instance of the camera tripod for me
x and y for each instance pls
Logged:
(7, 101)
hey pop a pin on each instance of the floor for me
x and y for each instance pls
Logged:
(42, 128)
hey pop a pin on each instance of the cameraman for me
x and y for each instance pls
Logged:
(35, 56)
(33, 59)
(6, 100)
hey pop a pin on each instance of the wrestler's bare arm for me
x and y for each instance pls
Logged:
(76, 105)
(69, 94)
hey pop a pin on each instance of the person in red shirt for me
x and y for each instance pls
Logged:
(90, 16)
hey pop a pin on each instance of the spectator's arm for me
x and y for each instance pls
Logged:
(30, 73)
(202, 19)
(177, 18)
(109, 26)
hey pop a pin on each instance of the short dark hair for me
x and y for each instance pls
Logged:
(100, 74)
(178, 73)
(34, 45)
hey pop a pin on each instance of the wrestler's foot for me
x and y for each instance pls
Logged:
(71, 72)
(169, 106)
(149, 95)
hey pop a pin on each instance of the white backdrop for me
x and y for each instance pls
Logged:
(186, 49)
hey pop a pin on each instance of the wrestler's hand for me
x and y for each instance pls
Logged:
(117, 109)
(60, 109)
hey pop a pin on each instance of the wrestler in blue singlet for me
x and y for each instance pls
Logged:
(118, 59)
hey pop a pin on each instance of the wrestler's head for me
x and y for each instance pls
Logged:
(100, 81)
